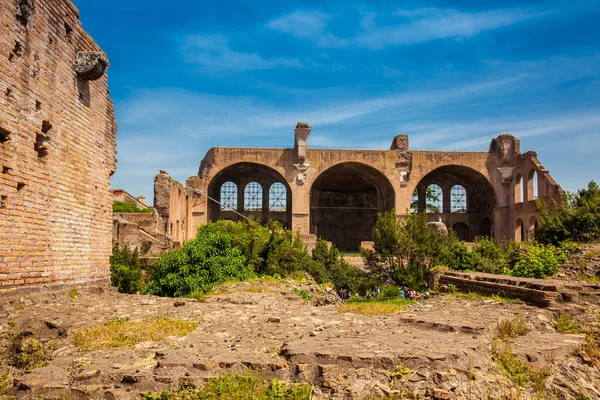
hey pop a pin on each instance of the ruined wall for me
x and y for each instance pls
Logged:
(174, 204)
(57, 148)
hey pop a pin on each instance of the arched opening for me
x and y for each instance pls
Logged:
(434, 199)
(532, 185)
(277, 197)
(486, 228)
(344, 202)
(253, 197)
(458, 199)
(229, 196)
(519, 189)
(533, 224)
(247, 189)
(519, 231)
(469, 199)
(462, 231)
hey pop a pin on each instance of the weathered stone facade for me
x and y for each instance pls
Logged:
(336, 194)
(57, 148)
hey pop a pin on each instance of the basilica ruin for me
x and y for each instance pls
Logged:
(336, 194)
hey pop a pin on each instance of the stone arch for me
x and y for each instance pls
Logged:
(247, 175)
(531, 227)
(519, 231)
(344, 202)
(462, 231)
(480, 198)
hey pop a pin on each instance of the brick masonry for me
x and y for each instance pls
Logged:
(57, 150)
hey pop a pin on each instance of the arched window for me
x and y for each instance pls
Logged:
(277, 197)
(253, 197)
(532, 185)
(519, 189)
(519, 231)
(458, 199)
(433, 199)
(229, 195)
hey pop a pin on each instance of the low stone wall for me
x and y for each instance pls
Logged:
(538, 292)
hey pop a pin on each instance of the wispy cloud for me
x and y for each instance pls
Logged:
(309, 25)
(422, 25)
(214, 52)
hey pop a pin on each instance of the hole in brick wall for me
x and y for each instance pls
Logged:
(83, 88)
(8, 92)
(41, 145)
(46, 126)
(38, 105)
(18, 50)
(5, 169)
(68, 31)
(4, 135)
(3, 200)
(20, 186)
(11, 57)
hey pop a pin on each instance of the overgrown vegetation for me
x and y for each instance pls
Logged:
(518, 371)
(120, 332)
(234, 251)
(251, 386)
(125, 269)
(124, 207)
(565, 324)
(578, 220)
(29, 352)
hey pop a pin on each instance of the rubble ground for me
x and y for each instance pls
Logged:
(443, 347)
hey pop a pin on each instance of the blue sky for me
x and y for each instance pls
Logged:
(191, 75)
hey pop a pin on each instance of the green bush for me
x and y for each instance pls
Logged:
(577, 220)
(199, 264)
(123, 207)
(125, 269)
(530, 260)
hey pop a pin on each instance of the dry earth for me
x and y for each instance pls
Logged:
(439, 347)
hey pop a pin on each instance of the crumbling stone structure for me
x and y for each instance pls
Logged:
(336, 194)
(57, 148)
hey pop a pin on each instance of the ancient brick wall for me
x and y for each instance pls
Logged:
(57, 148)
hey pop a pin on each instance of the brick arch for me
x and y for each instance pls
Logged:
(481, 197)
(344, 201)
(242, 174)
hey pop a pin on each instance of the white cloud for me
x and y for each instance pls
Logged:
(309, 25)
(214, 52)
(422, 25)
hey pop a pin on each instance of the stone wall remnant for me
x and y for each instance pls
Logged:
(56, 159)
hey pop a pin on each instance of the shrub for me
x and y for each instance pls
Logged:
(123, 207)
(530, 260)
(125, 270)
(199, 264)
(577, 220)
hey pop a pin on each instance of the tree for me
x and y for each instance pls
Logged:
(431, 198)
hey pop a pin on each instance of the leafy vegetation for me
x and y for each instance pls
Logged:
(251, 386)
(520, 372)
(578, 220)
(120, 332)
(565, 324)
(233, 251)
(124, 207)
(125, 269)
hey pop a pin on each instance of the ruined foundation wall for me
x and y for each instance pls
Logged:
(57, 148)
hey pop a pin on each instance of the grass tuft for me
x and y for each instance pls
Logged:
(231, 386)
(565, 324)
(520, 372)
(481, 297)
(123, 333)
(589, 279)
(512, 327)
(376, 306)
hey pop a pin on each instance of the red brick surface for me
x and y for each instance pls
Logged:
(55, 230)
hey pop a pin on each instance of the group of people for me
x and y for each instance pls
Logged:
(404, 293)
